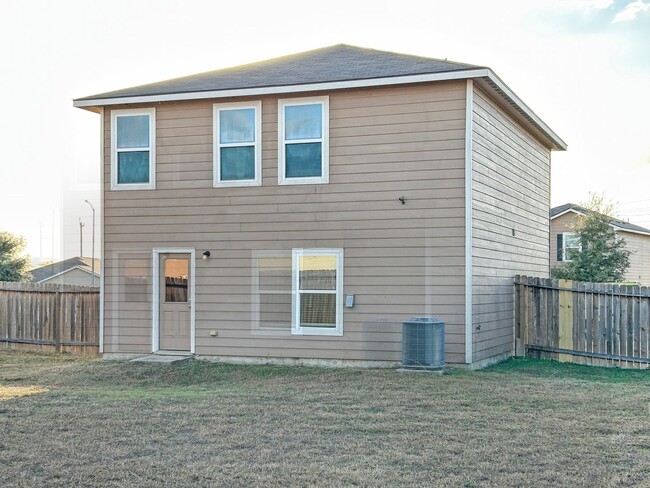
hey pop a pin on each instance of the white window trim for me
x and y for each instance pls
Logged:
(296, 329)
(151, 185)
(324, 140)
(217, 107)
(565, 259)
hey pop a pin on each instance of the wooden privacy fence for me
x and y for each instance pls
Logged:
(49, 317)
(588, 323)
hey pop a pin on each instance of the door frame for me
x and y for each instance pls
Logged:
(155, 330)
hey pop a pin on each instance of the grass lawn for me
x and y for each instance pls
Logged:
(67, 422)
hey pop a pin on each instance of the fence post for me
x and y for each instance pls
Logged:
(58, 326)
(566, 319)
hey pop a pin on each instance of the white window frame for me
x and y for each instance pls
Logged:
(564, 246)
(324, 140)
(296, 328)
(218, 107)
(151, 185)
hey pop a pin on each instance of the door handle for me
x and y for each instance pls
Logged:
(189, 303)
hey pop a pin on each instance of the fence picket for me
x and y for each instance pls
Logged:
(49, 317)
(608, 324)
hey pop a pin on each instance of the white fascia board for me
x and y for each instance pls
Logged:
(566, 212)
(622, 229)
(486, 73)
(519, 104)
(67, 271)
(273, 90)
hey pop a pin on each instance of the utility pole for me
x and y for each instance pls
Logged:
(81, 238)
(93, 256)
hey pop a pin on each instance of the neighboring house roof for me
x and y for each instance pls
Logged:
(616, 223)
(51, 270)
(329, 68)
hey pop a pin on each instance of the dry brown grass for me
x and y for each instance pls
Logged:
(523, 423)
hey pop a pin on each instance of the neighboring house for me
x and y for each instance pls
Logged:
(637, 240)
(73, 271)
(333, 194)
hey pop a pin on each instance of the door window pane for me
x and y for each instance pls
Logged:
(237, 126)
(303, 122)
(176, 280)
(133, 131)
(133, 167)
(303, 160)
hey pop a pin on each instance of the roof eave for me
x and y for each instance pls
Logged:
(492, 81)
(612, 224)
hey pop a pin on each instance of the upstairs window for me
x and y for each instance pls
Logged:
(303, 141)
(133, 149)
(317, 292)
(237, 144)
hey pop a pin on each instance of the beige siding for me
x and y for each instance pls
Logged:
(637, 244)
(510, 229)
(400, 260)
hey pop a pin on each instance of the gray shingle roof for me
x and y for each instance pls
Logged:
(621, 224)
(45, 272)
(341, 62)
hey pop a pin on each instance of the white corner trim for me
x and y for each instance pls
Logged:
(469, 110)
(155, 325)
(102, 164)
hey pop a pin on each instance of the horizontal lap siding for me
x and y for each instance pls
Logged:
(400, 260)
(639, 246)
(510, 191)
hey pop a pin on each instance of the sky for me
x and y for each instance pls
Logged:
(582, 65)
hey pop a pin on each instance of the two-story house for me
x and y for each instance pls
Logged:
(302, 208)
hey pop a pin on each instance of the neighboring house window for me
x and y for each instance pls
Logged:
(133, 149)
(317, 291)
(565, 242)
(303, 141)
(238, 144)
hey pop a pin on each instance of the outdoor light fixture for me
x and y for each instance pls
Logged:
(206, 255)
